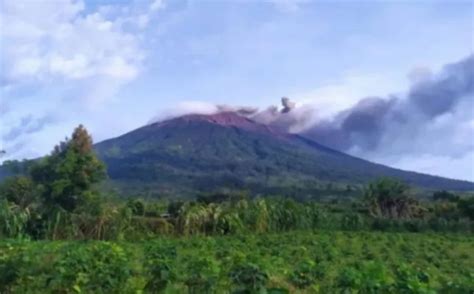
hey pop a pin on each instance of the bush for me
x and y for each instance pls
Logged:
(99, 267)
(248, 278)
(370, 277)
(136, 206)
(11, 264)
(410, 280)
(160, 275)
(13, 220)
(202, 275)
(353, 221)
(159, 265)
(306, 274)
(19, 190)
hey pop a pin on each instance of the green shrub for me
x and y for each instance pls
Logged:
(13, 220)
(306, 274)
(248, 278)
(160, 275)
(11, 264)
(410, 280)
(201, 275)
(159, 266)
(370, 277)
(99, 267)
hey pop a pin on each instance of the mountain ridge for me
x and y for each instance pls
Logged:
(207, 152)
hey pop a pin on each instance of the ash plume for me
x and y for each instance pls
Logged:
(288, 105)
(242, 110)
(197, 107)
(288, 117)
(433, 107)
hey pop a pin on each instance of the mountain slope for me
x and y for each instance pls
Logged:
(206, 152)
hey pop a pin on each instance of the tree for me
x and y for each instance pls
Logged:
(445, 196)
(19, 190)
(466, 206)
(16, 167)
(69, 173)
(136, 206)
(389, 198)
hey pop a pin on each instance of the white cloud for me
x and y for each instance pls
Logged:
(66, 50)
(157, 4)
(185, 107)
(45, 41)
(337, 95)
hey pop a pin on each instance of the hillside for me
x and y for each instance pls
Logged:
(208, 152)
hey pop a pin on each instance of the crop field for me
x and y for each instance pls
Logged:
(295, 262)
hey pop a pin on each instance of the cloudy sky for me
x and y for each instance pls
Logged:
(114, 65)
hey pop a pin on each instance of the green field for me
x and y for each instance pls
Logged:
(296, 262)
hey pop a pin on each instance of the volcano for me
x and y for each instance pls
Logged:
(226, 150)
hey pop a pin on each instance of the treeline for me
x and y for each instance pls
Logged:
(58, 199)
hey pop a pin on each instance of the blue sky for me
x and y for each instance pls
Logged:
(114, 65)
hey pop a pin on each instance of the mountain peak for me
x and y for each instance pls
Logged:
(228, 118)
(224, 119)
(199, 152)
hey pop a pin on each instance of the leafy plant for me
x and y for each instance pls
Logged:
(201, 275)
(410, 280)
(160, 275)
(95, 267)
(370, 277)
(159, 259)
(306, 274)
(10, 266)
(249, 278)
(13, 220)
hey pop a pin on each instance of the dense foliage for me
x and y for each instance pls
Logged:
(24, 215)
(54, 188)
(296, 262)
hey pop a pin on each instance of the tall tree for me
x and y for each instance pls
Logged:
(389, 198)
(69, 173)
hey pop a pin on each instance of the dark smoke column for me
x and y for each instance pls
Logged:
(287, 105)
